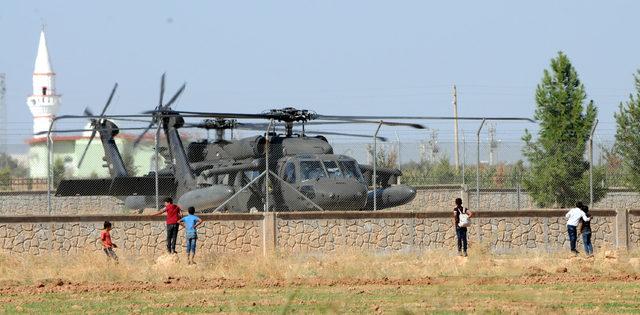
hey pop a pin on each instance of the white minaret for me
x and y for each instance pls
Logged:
(44, 101)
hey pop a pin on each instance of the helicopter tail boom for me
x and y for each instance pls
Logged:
(117, 186)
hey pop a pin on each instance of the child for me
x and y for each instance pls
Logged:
(585, 230)
(460, 212)
(173, 214)
(107, 245)
(573, 218)
(190, 223)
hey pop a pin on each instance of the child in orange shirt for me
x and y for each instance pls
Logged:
(107, 245)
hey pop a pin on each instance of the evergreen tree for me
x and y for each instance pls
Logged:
(628, 137)
(559, 172)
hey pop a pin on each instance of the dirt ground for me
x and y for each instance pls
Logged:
(337, 283)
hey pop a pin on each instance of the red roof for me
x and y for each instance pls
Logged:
(127, 136)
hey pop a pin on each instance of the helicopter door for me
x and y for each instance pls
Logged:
(289, 173)
(291, 197)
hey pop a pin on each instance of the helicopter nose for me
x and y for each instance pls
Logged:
(340, 195)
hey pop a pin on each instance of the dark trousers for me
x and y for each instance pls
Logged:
(573, 237)
(461, 233)
(110, 253)
(172, 237)
(586, 239)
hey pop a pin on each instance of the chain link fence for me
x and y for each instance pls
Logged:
(489, 174)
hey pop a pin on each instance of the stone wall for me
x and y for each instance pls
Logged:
(35, 203)
(403, 231)
(634, 229)
(442, 199)
(433, 199)
(143, 235)
(436, 198)
(306, 232)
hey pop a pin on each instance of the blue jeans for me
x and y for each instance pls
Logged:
(191, 245)
(461, 233)
(586, 239)
(573, 237)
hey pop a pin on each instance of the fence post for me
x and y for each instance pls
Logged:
(49, 168)
(269, 233)
(157, 165)
(622, 229)
(398, 157)
(593, 130)
(464, 157)
(266, 169)
(478, 166)
(519, 189)
(375, 162)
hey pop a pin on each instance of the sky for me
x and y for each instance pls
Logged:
(334, 57)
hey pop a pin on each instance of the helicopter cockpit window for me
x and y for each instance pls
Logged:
(351, 170)
(332, 169)
(251, 175)
(290, 173)
(311, 170)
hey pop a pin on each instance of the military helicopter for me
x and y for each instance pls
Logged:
(303, 171)
(205, 175)
(308, 175)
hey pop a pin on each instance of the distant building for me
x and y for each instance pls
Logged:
(44, 104)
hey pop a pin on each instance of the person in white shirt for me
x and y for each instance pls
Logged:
(573, 218)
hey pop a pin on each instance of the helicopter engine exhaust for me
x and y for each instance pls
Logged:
(206, 198)
(391, 196)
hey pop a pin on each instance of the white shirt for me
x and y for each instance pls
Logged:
(574, 215)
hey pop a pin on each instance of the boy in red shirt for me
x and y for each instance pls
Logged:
(173, 215)
(107, 245)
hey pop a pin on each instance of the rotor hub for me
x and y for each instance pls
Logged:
(219, 123)
(291, 114)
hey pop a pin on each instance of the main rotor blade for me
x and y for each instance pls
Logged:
(85, 130)
(162, 78)
(214, 115)
(93, 134)
(384, 122)
(139, 138)
(175, 97)
(131, 119)
(88, 112)
(346, 134)
(335, 117)
(113, 91)
(319, 123)
(384, 139)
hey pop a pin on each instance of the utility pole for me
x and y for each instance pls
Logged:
(3, 115)
(433, 146)
(455, 128)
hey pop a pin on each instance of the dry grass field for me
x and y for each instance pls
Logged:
(433, 282)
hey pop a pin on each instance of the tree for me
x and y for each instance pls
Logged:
(558, 175)
(129, 163)
(384, 158)
(628, 136)
(15, 167)
(5, 178)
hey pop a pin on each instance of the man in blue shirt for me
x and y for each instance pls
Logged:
(190, 224)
